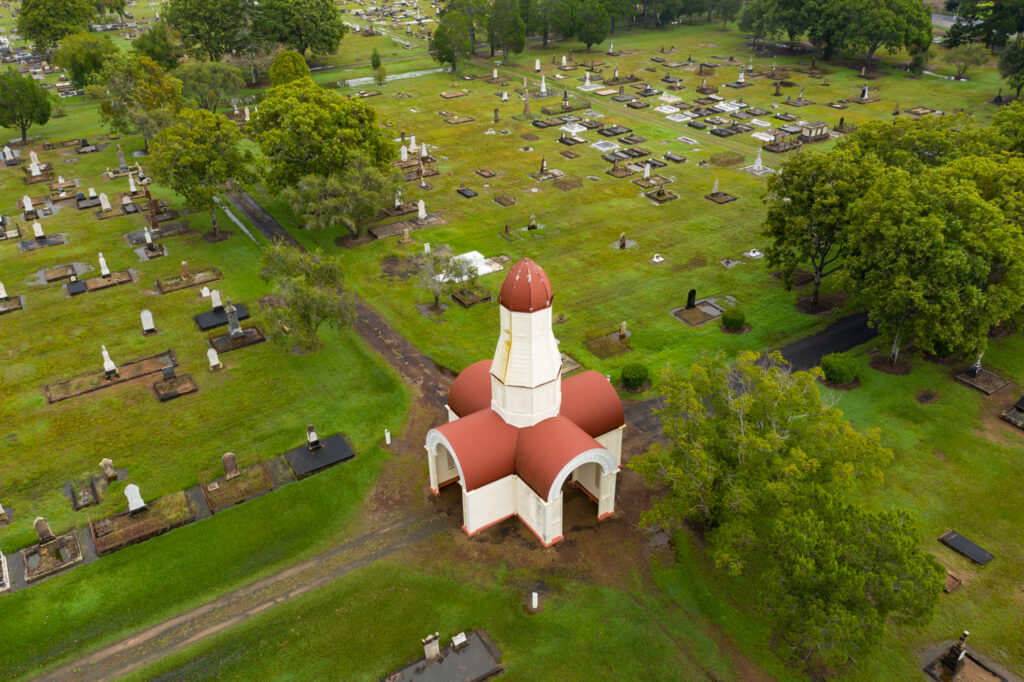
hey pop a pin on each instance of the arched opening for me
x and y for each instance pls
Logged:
(447, 470)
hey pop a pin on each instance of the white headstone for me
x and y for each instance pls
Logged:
(204, 292)
(757, 162)
(504, 96)
(563, 60)
(135, 502)
(147, 235)
(215, 299)
(611, 47)
(647, 171)
(147, 321)
(37, 230)
(104, 270)
(398, 199)
(739, 79)
(211, 355)
(543, 85)
(426, 247)
(494, 73)
(92, 192)
(715, 190)
(3, 292)
(536, 65)
(8, 154)
(108, 364)
(387, 436)
(104, 202)
(403, 153)
(33, 158)
(26, 201)
(131, 184)
(60, 179)
(423, 150)
(422, 207)
(586, 80)
(246, 113)
(33, 170)
(412, 143)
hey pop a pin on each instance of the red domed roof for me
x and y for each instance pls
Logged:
(526, 288)
(471, 390)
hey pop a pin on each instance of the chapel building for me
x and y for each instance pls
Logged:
(517, 432)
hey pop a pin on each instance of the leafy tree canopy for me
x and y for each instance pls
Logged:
(83, 54)
(594, 23)
(302, 24)
(135, 92)
(23, 102)
(288, 66)
(209, 83)
(304, 129)
(451, 42)
(210, 29)
(160, 43)
(1011, 66)
(45, 22)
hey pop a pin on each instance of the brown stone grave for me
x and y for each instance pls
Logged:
(661, 195)
(569, 183)
(570, 365)
(174, 387)
(250, 336)
(58, 272)
(505, 200)
(120, 530)
(485, 173)
(703, 311)
(405, 209)
(653, 181)
(97, 283)
(221, 492)
(93, 381)
(620, 172)
(454, 94)
(49, 558)
(468, 298)
(199, 277)
(11, 304)
(569, 154)
(458, 120)
(987, 382)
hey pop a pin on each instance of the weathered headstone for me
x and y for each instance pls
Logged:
(3, 292)
(104, 270)
(135, 501)
(147, 322)
(230, 465)
(421, 207)
(104, 202)
(107, 466)
(312, 440)
(184, 270)
(622, 240)
(42, 530)
(234, 329)
(215, 302)
(431, 644)
(622, 331)
(26, 202)
(37, 230)
(109, 368)
(215, 363)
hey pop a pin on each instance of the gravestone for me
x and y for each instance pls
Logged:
(131, 184)
(403, 153)
(234, 329)
(495, 115)
(147, 234)
(26, 202)
(135, 501)
(312, 440)
(230, 465)
(107, 466)
(421, 210)
(622, 240)
(184, 270)
(104, 270)
(4, 516)
(622, 331)
(953, 659)
(431, 644)
(37, 230)
(42, 530)
(3, 292)
(205, 292)
(864, 92)
(215, 363)
(104, 202)
(147, 322)
(122, 166)
(109, 368)
(691, 299)
(215, 300)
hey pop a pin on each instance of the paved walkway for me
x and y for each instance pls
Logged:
(841, 335)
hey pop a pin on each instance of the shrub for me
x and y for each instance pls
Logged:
(733, 319)
(634, 375)
(839, 368)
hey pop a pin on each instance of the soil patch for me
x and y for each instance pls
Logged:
(746, 328)
(396, 268)
(882, 364)
(825, 305)
(926, 396)
(348, 241)
(608, 346)
(431, 310)
(212, 237)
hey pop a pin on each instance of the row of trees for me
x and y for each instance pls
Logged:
(858, 26)
(759, 463)
(202, 29)
(921, 218)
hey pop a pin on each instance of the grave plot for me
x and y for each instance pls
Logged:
(1015, 415)
(42, 242)
(982, 380)
(128, 528)
(200, 277)
(475, 657)
(609, 345)
(94, 381)
(11, 304)
(236, 485)
(569, 183)
(319, 455)
(398, 210)
(699, 313)
(248, 337)
(83, 286)
(52, 556)
(170, 385)
(218, 317)
(138, 237)
(661, 195)
(467, 298)
(960, 544)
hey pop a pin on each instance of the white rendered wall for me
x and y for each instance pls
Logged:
(543, 518)
(526, 379)
(589, 476)
(612, 442)
(488, 504)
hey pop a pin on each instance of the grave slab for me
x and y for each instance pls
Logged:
(333, 450)
(959, 543)
(216, 318)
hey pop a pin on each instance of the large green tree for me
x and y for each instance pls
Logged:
(727, 10)
(312, 288)
(160, 43)
(197, 154)
(23, 102)
(211, 29)
(83, 54)
(288, 66)
(507, 27)
(135, 92)
(45, 22)
(209, 83)
(350, 198)
(304, 129)
(929, 142)
(451, 42)
(964, 57)
(745, 443)
(936, 263)
(594, 23)
(893, 24)
(302, 24)
(1009, 123)
(809, 206)
(1011, 66)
